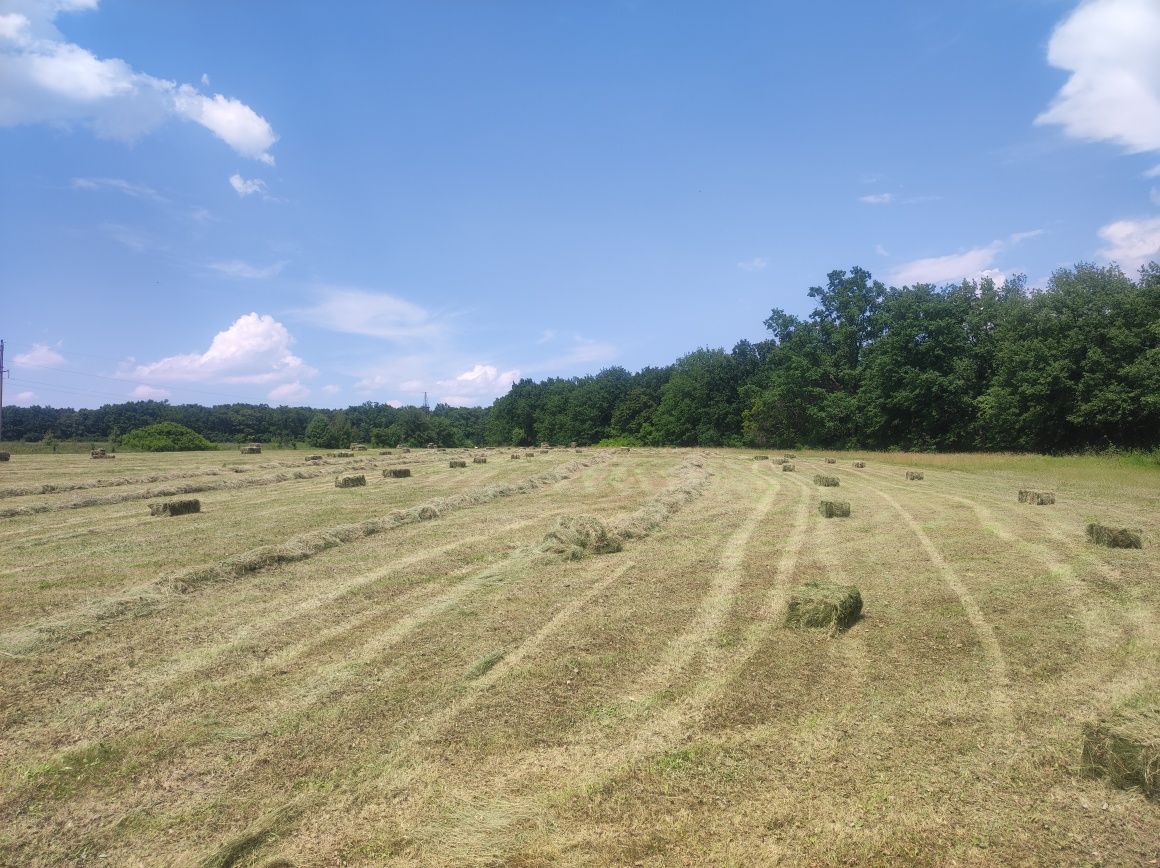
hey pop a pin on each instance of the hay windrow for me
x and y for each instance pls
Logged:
(690, 482)
(1114, 537)
(1124, 746)
(577, 536)
(115, 482)
(824, 605)
(175, 507)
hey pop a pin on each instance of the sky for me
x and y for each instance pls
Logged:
(309, 204)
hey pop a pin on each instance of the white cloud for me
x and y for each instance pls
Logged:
(244, 187)
(1112, 50)
(289, 392)
(134, 239)
(757, 263)
(547, 336)
(1016, 237)
(877, 199)
(205, 79)
(24, 398)
(255, 349)
(395, 403)
(374, 314)
(1155, 195)
(238, 268)
(40, 356)
(994, 274)
(482, 384)
(50, 80)
(1131, 243)
(880, 250)
(331, 389)
(149, 393)
(947, 269)
(118, 185)
(1154, 172)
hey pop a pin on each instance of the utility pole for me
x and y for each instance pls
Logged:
(3, 371)
(426, 406)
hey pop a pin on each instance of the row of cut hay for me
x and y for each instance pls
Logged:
(116, 482)
(309, 544)
(168, 491)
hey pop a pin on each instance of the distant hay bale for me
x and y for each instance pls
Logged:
(405, 449)
(350, 481)
(835, 509)
(826, 481)
(1036, 498)
(577, 536)
(1114, 537)
(859, 464)
(573, 445)
(1124, 747)
(456, 463)
(313, 458)
(823, 605)
(779, 461)
(515, 457)
(831, 460)
(529, 455)
(760, 457)
(914, 474)
(358, 447)
(432, 445)
(787, 468)
(100, 453)
(251, 449)
(545, 445)
(789, 456)
(397, 472)
(479, 459)
(342, 455)
(175, 507)
(5, 456)
(387, 452)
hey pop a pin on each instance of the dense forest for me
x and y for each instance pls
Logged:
(972, 366)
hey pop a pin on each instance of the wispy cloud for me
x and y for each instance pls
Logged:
(1017, 237)
(238, 268)
(877, 199)
(24, 398)
(373, 314)
(128, 236)
(1154, 172)
(40, 356)
(287, 392)
(118, 185)
(247, 186)
(757, 263)
(880, 250)
(950, 268)
(149, 393)
(1131, 243)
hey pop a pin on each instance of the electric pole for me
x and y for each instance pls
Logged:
(426, 406)
(3, 371)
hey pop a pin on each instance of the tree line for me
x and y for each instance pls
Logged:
(968, 366)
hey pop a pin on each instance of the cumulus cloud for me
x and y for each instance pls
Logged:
(255, 349)
(331, 389)
(149, 393)
(289, 392)
(238, 268)
(1112, 50)
(1131, 243)
(247, 187)
(40, 356)
(117, 185)
(24, 398)
(877, 199)
(482, 384)
(757, 263)
(374, 314)
(50, 80)
(947, 269)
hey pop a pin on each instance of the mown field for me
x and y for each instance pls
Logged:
(401, 673)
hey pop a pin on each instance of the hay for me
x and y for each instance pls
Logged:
(824, 605)
(573, 445)
(350, 481)
(176, 507)
(1114, 537)
(252, 449)
(100, 453)
(342, 455)
(405, 449)
(859, 464)
(831, 460)
(515, 457)
(545, 445)
(397, 472)
(914, 474)
(426, 512)
(455, 463)
(5, 456)
(529, 455)
(787, 468)
(358, 447)
(387, 452)
(313, 458)
(835, 509)
(779, 461)
(479, 459)
(1036, 498)
(577, 536)
(760, 457)
(1124, 746)
(826, 481)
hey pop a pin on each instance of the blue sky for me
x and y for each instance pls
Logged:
(302, 203)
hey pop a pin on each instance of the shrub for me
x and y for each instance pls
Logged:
(165, 437)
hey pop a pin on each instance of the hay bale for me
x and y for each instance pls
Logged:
(405, 449)
(787, 467)
(313, 458)
(789, 456)
(835, 509)
(1124, 746)
(251, 449)
(529, 455)
(573, 445)
(397, 472)
(1036, 498)
(456, 463)
(577, 536)
(545, 445)
(831, 460)
(5, 456)
(859, 464)
(1114, 537)
(760, 457)
(826, 481)
(342, 455)
(824, 605)
(100, 453)
(349, 481)
(515, 457)
(387, 452)
(914, 474)
(175, 507)
(779, 461)
(358, 447)
(479, 459)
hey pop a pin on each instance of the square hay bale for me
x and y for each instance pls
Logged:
(313, 458)
(826, 481)
(1036, 498)
(577, 536)
(251, 449)
(787, 468)
(456, 463)
(545, 445)
(100, 453)
(5, 456)
(760, 457)
(341, 454)
(573, 445)
(779, 461)
(479, 459)
(1114, 537)
(405, 449)
(350, 481)
(859, 464)
(789, 456)
(835, 509)
(176, 507)
(358, 447)
(529, 455)
(1124, 746)
(831, 460)
(914, 474)
(387, 452)
(515, 457)
(397, 472)
(824, 605)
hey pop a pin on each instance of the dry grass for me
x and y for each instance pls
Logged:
(399, 676)
(175, 507)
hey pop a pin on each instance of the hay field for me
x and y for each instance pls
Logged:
(405, 673)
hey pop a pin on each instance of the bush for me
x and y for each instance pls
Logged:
(165, 437)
